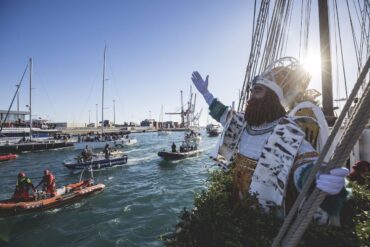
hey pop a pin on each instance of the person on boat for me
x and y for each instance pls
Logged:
(107, 151)
(22, 187)
(195, 146)
(265, 149)
(173, 147)
(86, 154)
(361, 173)
(48, 183)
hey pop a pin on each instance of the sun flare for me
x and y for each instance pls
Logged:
(312, 63)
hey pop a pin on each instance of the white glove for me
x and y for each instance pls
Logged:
(333, 182)
(202, 86)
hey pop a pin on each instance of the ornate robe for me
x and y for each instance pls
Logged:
(272, 160)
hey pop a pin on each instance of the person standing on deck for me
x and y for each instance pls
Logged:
(265, 149)
(173, 147)
(107, 151)
(86, 154)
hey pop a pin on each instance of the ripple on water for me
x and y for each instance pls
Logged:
(141, 201)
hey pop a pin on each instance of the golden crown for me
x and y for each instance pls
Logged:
(290, 76)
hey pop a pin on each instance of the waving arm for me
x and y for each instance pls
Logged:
(202, 86)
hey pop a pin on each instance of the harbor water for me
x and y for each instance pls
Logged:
(142, 199)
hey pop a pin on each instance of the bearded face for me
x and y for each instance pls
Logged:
(263, 109)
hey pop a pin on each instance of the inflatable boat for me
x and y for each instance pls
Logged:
(65, 195)
(178, 155)
(96, 163)
(5, 157)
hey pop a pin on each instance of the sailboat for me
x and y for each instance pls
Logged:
(102, 140)
(18, 140)
(162, 131)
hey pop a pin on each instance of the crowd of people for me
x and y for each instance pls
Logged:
(100, 137)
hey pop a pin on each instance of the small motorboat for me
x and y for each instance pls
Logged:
(213, 130)
(193, 137)
(163, 132)
(5, 157)
(65, 195)
(114, 153)
(97, 143)
(178, 155)
(96, 163)
(186, 151)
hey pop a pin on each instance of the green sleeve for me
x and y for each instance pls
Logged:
(332, 203)
(217, 109)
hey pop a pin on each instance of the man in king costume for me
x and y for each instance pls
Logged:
(266, 148)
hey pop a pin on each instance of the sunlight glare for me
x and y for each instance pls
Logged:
(312, 63)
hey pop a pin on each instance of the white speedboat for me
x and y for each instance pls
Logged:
(163, 132)
(119, 143)
(193, 137)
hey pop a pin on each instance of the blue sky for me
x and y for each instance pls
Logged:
(153, 47)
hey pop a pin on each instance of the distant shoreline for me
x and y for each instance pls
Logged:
(131, 130)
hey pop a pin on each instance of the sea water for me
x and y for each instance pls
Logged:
(141, 201)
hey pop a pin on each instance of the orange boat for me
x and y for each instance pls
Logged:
(65, 195)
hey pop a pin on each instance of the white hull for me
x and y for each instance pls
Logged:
(195, 139)
(101, 144)
(163, 133)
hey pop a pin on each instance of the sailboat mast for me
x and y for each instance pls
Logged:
(182, 111)
(30, 106)
(102, 98)
(326, 69)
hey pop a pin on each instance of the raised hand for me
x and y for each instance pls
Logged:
(200, 84)
(333, 182)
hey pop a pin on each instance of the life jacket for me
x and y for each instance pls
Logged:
(23, 184)
(49, 180)
(49, 184)
(22, 187)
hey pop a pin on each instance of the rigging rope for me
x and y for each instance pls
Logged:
(352, 132)
(336, 13)
(257, 37)
(300, 32)
(354, 38)
(275, 41)
(16, 92)
(336, 57)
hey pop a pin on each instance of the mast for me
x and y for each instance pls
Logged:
(182, 111)
(326, 69)
(189, 111)
(161, 118)
(102, 98)
(114, 112)
(30, 107)
(17, 102)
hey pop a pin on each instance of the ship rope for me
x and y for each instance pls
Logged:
(336, 17)
(257, 37)
(269, 41)
(338, 93)
(270, 34)
(11, 104)
(290, 233)
(274, 40)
